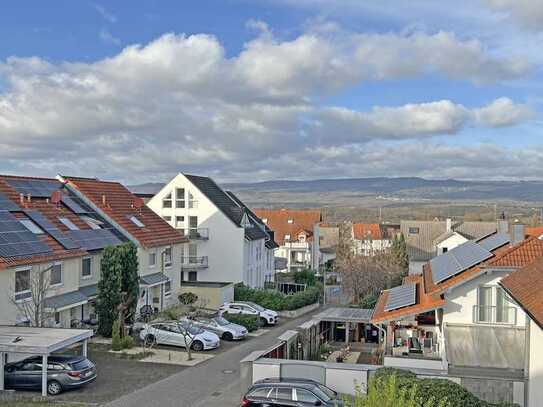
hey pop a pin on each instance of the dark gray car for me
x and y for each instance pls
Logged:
(63, 372)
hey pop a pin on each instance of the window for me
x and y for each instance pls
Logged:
(445, 250)
(265, 220)
(137, 222)
(193, 226)
(86, 267)
(22, 282)
(167, 218)
(179, 222)
(168, 288)
(93, 223)
(193, 203)
(68, 223)
(180, 198)
(502, 307)
(152, 259)
(284, 393)
(55, 274)
(413, 231)
(305, 396)
(31, 226)
(261, 393)
(168, 257)
(193, 252)
(484, 298)
(287, 237)
(290, 221)
(57, 318)
(193, 276)
(167, 201)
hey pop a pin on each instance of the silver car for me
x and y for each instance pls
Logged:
(222, 327)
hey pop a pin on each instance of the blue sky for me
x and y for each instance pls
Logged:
(272, 88)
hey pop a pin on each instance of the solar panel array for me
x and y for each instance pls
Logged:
(458, 260)
(494, 241)
(73, 205)
(34, 187)
(401, 296)
(94, 239)
(51, 229)
(6, 204)
(16, 240)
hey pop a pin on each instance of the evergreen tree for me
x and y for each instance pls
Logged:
(399, 248)
(109, 291)
(128, 260)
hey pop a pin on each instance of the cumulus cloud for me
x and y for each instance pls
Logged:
(527, 12)
(179, 103)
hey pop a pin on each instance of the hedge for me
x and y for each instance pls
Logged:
(276, 300)
(251, 322)
(439, 389)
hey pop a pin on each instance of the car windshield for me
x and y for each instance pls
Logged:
(329, 393)
(221, 321)
(193, 330)
(324, 393)
(81, 364)
(256, 306)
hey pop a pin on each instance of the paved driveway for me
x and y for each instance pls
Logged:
(215, 383)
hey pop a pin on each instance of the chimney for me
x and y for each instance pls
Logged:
(503, 226)
(104, 201)
(21, 199)
(518, 233)
(29, 197)
(449, 224)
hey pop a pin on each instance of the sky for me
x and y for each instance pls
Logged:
(249, 90)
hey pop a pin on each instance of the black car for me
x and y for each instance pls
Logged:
(63, 372)
(290, 392)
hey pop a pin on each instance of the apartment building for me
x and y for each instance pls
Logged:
(294, 233)
(227, 241)
(457, 319)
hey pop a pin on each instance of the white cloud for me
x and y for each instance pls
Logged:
(180, 103)
(108, 38)
(527, 12)
(106, 15)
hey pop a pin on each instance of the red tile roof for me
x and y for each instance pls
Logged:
(362, 231)
(119, 206)
(51, 212)
(277, 220)
(535, 231)
(526, 287)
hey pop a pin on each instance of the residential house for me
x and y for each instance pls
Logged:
(525, 287)
(371, 238)
(427, 239)
(227, 241)
(159, 246)
(324, 247)
(51, 245)
(536, 231)
(456, 319)
(294, 232)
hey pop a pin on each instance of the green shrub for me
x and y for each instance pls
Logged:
(127, 342)
(116, 344)
(251, 322)
(187, 298)
(276, 300)
(306, 276)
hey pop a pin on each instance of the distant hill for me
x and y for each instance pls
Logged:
(338, 191)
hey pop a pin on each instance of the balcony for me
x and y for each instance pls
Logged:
(494, 315)
(297, 245)
(196, 233)
(194, 262)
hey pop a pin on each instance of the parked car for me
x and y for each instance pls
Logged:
(290, 392)
(63, 372)
(222, 327)
(174, 333)
(268, 316)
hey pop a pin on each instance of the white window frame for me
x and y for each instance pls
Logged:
(167, 198)
(137, 222)
(52, 285)
(170, 262)
(169, 292)
(180, 202)
(290, 221)
(16, 293)
(84, 277)
(287, 237)
(153, 264)
(68, 223)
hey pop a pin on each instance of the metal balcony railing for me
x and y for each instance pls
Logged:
(196, 233)
(494, 315)
(193, 262)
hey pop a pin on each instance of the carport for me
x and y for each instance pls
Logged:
(38, 341)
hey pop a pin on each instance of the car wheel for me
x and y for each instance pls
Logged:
(227, 336)
(54, 388)
(150, 340)
(263, 322)
(197, 346)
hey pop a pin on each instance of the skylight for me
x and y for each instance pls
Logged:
(93, 223)
(68, 223)
(136, 222)
(31, 226)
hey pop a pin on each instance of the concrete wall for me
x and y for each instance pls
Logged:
(461, 300)
(213, 297)
(413, 363)
(535, 370)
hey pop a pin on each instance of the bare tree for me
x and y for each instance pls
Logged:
(34, 307)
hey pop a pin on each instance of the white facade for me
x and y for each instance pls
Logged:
(369, 247)
(456, 239)
(535, 366)
(218, 250)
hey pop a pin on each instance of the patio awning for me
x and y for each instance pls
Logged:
(89, 291)
(66, 301)
(355, 315)
(151, 280)
(485, 346)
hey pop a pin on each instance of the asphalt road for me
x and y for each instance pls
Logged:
(214, 383)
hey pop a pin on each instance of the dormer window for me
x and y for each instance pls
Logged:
(167, 201)
(137, 222)
(287, 237)
(291, 221)
(68, 223)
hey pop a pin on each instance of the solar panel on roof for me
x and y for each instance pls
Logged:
(6, 204)
(458, 260)
(94, 239)
(494, 241)
(34, 187)
(73, 205)
(51, 229)
(401, 296)
(16, 240)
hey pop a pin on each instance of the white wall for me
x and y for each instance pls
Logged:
(535, 384)
(450, 243)
(460, 301)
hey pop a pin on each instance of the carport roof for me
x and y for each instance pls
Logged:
(154, 279)
(336, 314)
(66, 300)
(39, 341)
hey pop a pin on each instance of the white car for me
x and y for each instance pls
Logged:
(179, 334)
(223, 328)
(268, 316)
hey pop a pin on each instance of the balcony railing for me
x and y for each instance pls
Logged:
(193, 262)
(494, 315)
(196, 233)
